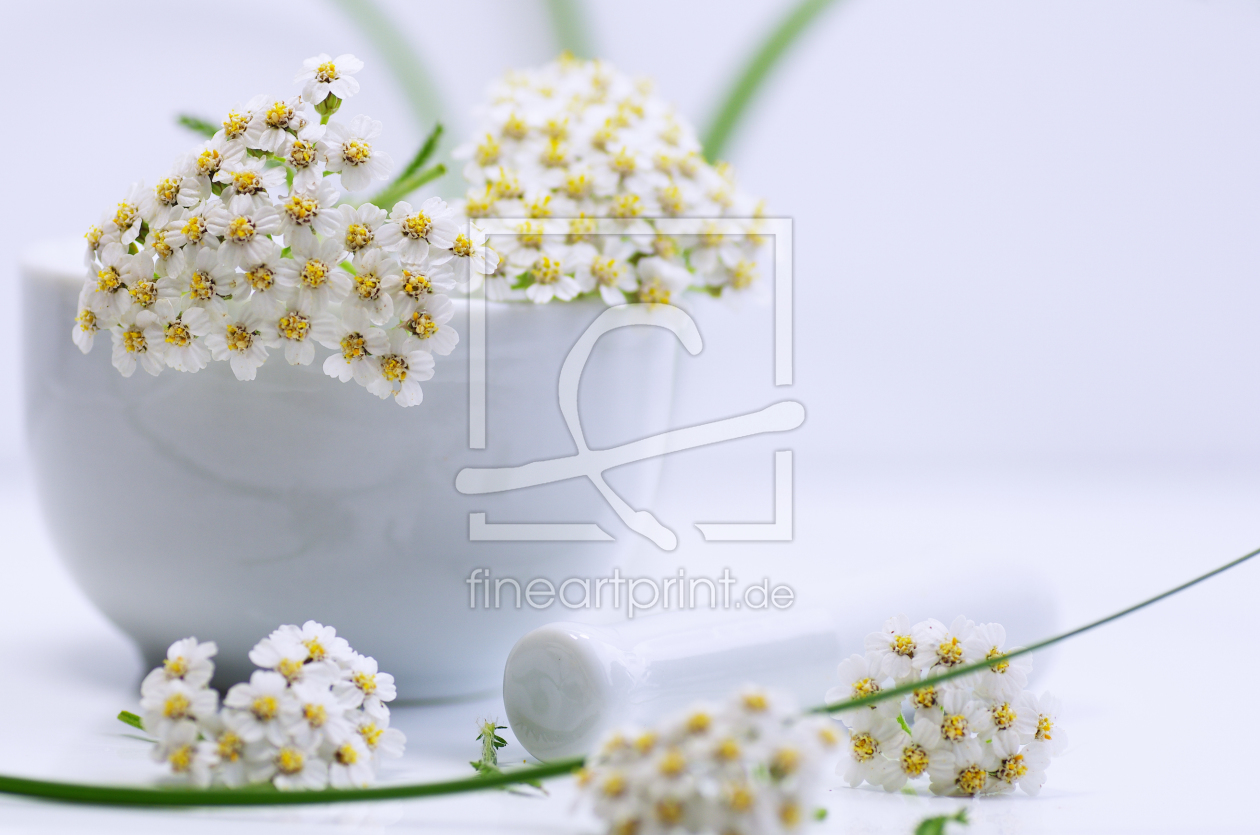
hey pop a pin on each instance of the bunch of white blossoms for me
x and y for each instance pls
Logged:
(574, 142)
(752, 765)
(243, 248)
(314, 714)
(978, 734)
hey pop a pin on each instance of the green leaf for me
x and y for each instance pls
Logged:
(936, 825)
(391, 194)
(129, 718)
(901, 720)
(749, 81)
(198, 125)
(422, 156)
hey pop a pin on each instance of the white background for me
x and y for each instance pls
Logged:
(1026, 286)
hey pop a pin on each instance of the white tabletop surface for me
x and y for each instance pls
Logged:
(1157, 705)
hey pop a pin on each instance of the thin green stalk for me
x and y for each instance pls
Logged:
(387, 197)
(571, 27)
(266, 796)
(903, 689)
(393, 45)
(198, 125)
(741, 93)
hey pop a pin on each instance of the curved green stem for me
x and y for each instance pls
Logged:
(267, 796)
(571, 27)
(741, 93)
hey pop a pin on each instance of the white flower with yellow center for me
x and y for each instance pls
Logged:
(261, 283)
(969, 774)
(305, 158)
(86, 325)
(357, 228)
(287, 655)
(224, 750)
(321, 642)
(875, 741)
(1014, 719)
(355, 343)
(416, 284)
(1047, 732)
(1003, 679)
(411, 231)
(313, 275)
(176, 336)
(350, 152)
(351, 765)
(960, 718)
(235, 126)
(661, 281)
(921, 756)
(307, 212)
(244, 231)
(374, 272)
(471, 257)
(189, 231)
(124, 221)
(204, 283)
(171, 702)
(861, 676)
(164, 201)
(399, 370)
(322, 76)
(1025, 768)
(160, 249)
(202, 166)
(250, 184)
(241, 337)
(106, 290)
(290, 766)
(941, 649)
(179, 748)
(373, 687)
(254, 709)
(892, 649)
(316, 715)
(272, 123)
(381, 740)
(550, 278)
(187, 660)
(608, 272)
(427, 327)
(297, 329)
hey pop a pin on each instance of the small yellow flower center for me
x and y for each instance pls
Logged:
(604, 137)
(314, 273)
(93, 235)
(231, 747)
(175, 667)
(358, 236)
(515, 127)
(539, 207)
(463, 247)
(157, 240)
(108, 280)
(740, 799)
(654, 292)
(235, 124)
(669, 811)
(578, 185)
(530, 234)
(326, 72)
(949, 653)
(416, 285)
(167, 191)
(346, 755)
(698, 723)
(356, 152)
(417, 226)
(367, 285)
(623, 163)
(971, 780)
(293, 326)
(1044, 726)
(784, 763)
(394, 369)
(241, 230)
(710, 236)
(134, 341)
(177, 334)
(194, 229)
(727, 750)
(581, 228)
(790, 814)
(902, 645)
(665, 246)
(261, 278)
(864, 746)
(365, 682)
(614, 785)
(247, 182)
(420, 325)
(756, 702)
(302, 154)
(238, 338)
(673, 763)
(646, 742)
(1012, 768)
(315, 649)
(278, 115)
(828, 737)
(626, 205)
(289, 668)
(181, 759)
(864, 687)
(487, 152)
(201, 286)
(176, 706)
(479, 206)
(555, 155)
(315, 715)
(87, 321)
(924, 697)
(1003, 716)
(999, 667)
(545, 270)
(353, 347)
(914, 760)
(371, 734)
(208, 162)
(954, 727)
(671, 200)
(301, 209)
(265, 708)
(743, 274)
(290, 760)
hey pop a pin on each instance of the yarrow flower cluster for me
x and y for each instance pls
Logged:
(978, 734)
(576, 141)
(243, 249)
(313, 715)
(751, 765)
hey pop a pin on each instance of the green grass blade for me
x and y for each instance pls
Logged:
(571, 27)
(387, 197)
(203, 127)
